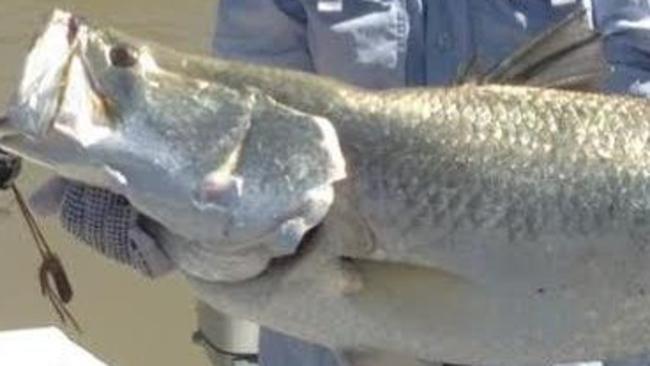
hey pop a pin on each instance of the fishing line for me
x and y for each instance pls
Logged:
(50, 266)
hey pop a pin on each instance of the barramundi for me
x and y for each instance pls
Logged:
(504, 220)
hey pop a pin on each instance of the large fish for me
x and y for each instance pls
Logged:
(477, 224)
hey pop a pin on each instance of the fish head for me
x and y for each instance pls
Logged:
(93, 106)
(198, 155)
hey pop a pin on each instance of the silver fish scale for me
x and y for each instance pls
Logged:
(518, 159)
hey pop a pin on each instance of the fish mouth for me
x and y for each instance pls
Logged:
(38, 99)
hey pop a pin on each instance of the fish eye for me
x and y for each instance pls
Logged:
(122, 56)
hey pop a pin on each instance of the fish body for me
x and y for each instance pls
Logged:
(477, 224)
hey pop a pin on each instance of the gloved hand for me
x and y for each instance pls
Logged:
(10, 166)
(104, 221)
(109, 224)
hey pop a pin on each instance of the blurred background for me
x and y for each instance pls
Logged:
(127, 320)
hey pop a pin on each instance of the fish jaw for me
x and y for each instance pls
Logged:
(64, 112)
(37, 99)
(57, 93)
(54, 113)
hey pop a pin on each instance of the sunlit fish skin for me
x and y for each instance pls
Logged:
(481, 224)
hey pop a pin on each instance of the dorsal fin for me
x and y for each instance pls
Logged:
(568, 55)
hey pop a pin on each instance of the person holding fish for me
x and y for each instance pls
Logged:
(371, 44)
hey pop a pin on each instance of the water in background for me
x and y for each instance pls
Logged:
(127, 320)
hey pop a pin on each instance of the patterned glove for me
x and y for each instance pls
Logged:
(9, 169)
(104, 221)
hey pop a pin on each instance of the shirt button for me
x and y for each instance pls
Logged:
(443, 42)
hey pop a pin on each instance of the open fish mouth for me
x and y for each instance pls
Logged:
(39, 96)
(57, 108)
(57, 86)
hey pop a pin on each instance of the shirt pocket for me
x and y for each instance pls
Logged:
(363, 44)
(502, 26)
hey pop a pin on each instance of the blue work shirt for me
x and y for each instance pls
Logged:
(395, 43)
